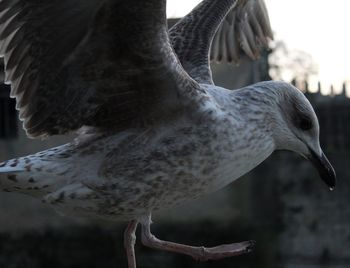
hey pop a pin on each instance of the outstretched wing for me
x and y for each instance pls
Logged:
(247, 27)
(102, 63)
(220, 28)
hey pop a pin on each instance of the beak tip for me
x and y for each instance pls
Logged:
(325, 169)
(332, 177)
(329, 178)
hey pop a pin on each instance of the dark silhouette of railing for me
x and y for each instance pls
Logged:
(8, 114)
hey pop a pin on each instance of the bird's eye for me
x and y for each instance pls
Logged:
(305, 123)
(301, 118)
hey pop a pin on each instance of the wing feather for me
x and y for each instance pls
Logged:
(223, 28)
(250, 25)
(100, 63)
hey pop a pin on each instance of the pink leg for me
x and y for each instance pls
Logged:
(198, 253)
(129, 243)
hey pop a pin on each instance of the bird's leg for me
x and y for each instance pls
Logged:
(129, 243)
(198, 253)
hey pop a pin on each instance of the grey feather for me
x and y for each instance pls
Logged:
(250, 26)
(191, 37)
(73, 63)
(220, 28)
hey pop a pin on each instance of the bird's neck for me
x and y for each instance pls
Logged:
(245, 141)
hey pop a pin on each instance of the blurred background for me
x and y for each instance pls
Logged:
(283, 205)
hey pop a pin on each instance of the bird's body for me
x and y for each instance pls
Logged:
(126, 175)
(159, 131)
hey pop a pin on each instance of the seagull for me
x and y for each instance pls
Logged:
(153, 129)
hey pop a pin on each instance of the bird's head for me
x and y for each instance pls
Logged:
(296, 128)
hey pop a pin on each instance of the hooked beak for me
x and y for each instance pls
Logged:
(324, 168)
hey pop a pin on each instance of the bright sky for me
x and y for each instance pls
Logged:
(318, 27)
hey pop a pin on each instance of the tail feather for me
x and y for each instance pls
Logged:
(37, 174)
(24, 176)
(9, 171)
(5, 170)
(13, 165)
(9, 178)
